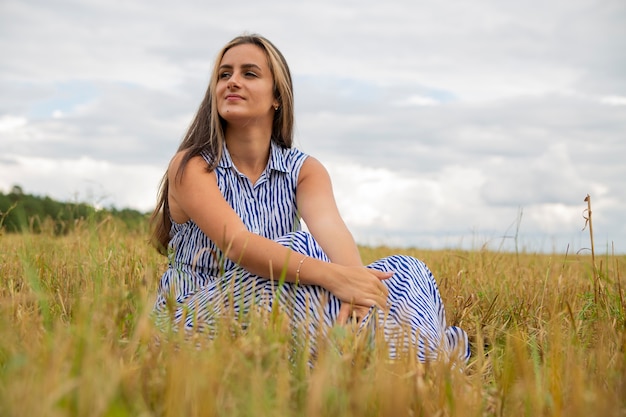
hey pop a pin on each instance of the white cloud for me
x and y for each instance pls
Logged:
(10, 123)
(99, 182)
(416, 100)
(439, 122)
(549, 178)
(614, 100)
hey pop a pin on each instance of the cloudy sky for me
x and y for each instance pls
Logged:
(443, 124)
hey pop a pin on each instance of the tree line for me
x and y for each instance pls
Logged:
(22, 212)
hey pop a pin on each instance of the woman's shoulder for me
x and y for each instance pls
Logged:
(309, 167)
(179, 161)
(313, 166)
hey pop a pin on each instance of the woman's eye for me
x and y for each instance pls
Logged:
(224, 75)
(250, 74)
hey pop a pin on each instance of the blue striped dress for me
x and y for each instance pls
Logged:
(201, 283)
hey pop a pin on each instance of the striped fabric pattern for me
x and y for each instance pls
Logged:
(204, 284)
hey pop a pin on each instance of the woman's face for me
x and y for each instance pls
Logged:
(245, 86)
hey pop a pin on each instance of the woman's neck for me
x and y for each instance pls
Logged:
(249, 151)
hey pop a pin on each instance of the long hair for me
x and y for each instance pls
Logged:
(207, 130)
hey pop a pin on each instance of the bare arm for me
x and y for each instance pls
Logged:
(195, 195)
(318, 208)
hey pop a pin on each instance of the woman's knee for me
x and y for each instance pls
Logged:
(397, 262)
(302, 242)
(286, 239)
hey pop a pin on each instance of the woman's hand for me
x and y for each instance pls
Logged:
(358, 288)
(357, 312)
(351, 313)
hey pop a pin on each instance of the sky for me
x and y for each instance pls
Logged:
(457, 124)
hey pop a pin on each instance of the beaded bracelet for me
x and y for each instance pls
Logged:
(298, 269)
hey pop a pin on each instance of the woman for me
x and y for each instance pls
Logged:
(229, 215)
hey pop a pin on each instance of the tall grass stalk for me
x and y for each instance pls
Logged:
(77, 339)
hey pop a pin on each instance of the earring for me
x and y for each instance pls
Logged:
(276, 107)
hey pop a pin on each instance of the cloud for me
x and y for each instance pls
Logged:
(439, 122)
(614, 100)
(99, 182)
(10, 123)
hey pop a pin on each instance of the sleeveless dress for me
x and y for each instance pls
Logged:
(200, 282)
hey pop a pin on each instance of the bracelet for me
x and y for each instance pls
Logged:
(298, 269)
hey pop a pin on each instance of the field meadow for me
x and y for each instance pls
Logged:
(76, 339)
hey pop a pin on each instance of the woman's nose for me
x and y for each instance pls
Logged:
(233, 81)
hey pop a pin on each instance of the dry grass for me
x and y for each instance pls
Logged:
(76, 339)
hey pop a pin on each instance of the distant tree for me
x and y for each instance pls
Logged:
(25, 212)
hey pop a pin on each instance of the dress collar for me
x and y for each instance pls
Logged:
(277, 161)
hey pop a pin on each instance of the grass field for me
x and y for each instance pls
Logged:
(76, 339)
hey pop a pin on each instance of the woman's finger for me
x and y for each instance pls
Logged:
(382, 275)
(360, 312)
(351, 313)
(344, 313)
